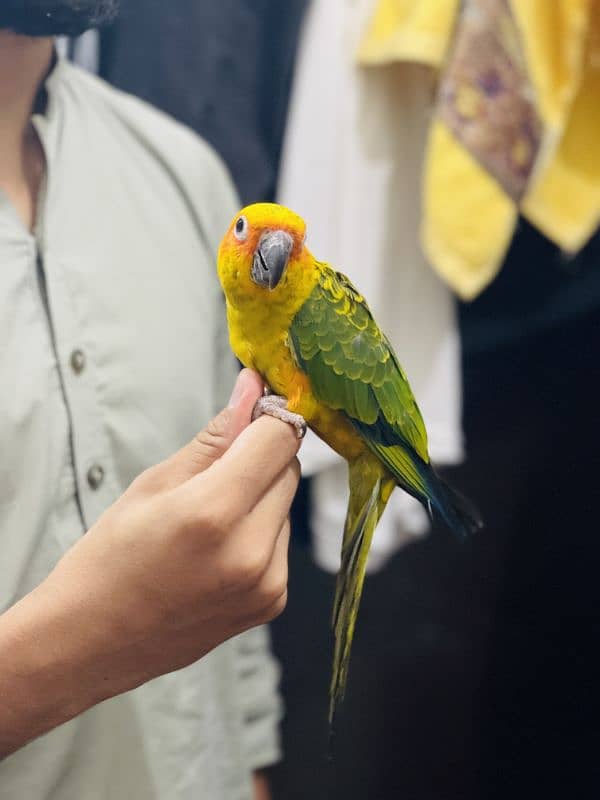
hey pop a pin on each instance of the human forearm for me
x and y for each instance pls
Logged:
(50, 665)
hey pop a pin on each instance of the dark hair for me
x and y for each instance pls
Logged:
(55, 17)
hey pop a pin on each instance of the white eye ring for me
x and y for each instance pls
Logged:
(240, 229)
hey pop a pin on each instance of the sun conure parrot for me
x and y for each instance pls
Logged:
(311, 336)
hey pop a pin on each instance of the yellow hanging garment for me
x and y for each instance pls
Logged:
(409, 30)
(516, 127)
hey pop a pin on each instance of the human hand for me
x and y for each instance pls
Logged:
(194, 552)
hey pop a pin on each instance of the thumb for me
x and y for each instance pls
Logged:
(215, 439)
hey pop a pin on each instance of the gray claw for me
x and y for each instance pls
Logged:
(275, 406)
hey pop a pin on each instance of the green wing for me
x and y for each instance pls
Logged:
(353, 368)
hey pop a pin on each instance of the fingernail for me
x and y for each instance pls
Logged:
(236, 394)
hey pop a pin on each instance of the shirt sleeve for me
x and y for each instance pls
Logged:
(258, 675)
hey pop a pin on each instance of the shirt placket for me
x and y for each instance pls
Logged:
(94, 471)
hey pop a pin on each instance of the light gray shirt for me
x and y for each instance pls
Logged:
(113, 353)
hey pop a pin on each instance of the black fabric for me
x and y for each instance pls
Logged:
(222, 68)
(538, 288)
(534, 464)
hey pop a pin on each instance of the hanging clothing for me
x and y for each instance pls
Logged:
(516, 126)
(223, 69)
(351, 166)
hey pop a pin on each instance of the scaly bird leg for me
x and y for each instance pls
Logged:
(275, 406)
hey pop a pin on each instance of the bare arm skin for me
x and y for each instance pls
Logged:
(261, 787)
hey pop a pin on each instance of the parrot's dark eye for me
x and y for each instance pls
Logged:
(241, 229)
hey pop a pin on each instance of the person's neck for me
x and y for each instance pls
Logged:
(24, 62)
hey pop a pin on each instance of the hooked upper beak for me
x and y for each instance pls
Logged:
(271, 258)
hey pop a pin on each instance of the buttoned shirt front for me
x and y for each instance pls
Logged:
(113, 354)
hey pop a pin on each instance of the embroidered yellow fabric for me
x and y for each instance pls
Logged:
(516, 127)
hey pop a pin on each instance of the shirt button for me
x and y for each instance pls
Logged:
(77, 361)
(95, 476)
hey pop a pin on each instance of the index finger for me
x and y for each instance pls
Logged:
(253, 462)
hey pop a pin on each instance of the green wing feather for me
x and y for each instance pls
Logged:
(352, 368)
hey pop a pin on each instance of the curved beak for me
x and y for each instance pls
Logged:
(271, 258)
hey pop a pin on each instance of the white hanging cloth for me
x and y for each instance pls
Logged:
(351, 166)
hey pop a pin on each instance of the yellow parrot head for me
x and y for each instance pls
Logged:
(262, 253)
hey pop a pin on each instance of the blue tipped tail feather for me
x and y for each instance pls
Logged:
(459, 514)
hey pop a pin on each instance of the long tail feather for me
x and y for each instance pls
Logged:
(367, 501)
(458, 512)
(419, 479)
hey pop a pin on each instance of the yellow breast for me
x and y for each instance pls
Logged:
(272, 358)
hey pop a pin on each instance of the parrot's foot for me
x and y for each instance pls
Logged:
(275, 406)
